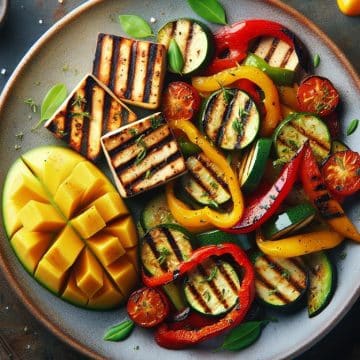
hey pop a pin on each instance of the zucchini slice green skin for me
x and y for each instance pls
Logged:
(322, 274)
(204, 182)
(295, 130)
(156, 212)
(194, 40)
(280, 283)
(230, 119)
(337, 146)
(212, 288)
(291, 220)
(253, 164)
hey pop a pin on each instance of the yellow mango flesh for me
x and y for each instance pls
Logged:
(70, 228)
(89, 274)
(30, 246)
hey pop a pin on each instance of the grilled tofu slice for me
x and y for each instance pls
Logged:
(143, 155)
(277, 53)
(134, 70)
(90, 111)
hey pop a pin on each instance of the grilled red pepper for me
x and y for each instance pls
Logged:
(178, 337)
(232, 43)
(260, 209)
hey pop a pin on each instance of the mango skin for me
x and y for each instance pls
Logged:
(43, 171)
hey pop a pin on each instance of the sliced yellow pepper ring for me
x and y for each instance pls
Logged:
(300, 244)
(205, 218)
(228, 76)
(349, 7)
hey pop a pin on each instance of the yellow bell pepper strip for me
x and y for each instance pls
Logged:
(228, 76)
(329, 208)
(202, 219)
(288, 96)
(349, 7)
(299, 244)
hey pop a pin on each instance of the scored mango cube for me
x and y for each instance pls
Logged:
(88, 223)
(37, 216)
(125, 230)
(106, 247)
(107, 297)
(124, 274)
(110, 206)
(30, 246)
(70, 241)
(89, 274)
(73, 293)
(50, 275)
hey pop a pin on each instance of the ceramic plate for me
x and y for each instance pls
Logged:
(64, 54)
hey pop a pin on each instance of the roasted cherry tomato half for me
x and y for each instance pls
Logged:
(180, 101)
(147, 307)
(317, 95)
(341, 172)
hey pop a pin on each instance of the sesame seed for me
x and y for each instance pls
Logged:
(3, 71)
(41, 21)
(152, 20)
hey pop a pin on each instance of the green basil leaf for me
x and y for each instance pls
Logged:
(316, 60)
(175, 57)
(352, 127)
(135, 26)
(244, 335)
(210, 10)
(52, 100)
(119, 332)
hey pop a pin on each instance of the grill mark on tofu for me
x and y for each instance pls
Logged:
(123, 63)
(150, 71)
(104, 54)
(77, 122)
(88, 106)
(131, 72)
(157, 78)
(140, 72)
(114, 62)
(155, 157)
(159, 174)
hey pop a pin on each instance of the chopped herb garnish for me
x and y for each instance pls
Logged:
(272, 292)
(352, 127)
(279, 162)
(316, 60)
(237, 125)
(285, 273)
(207, 294)
(214, 185)
(32, 104)
(155, 122)
(243, 113)
(117, 115)
(213, 203)
(343, 255)
(133, 131)
(227, 94)
(78, 101)
(65, 68)
(148, 174)
(293, 143)
(20, 136)
(17, 147)
(163, 254)
(212, 275)
(85, 114)
(61, 132)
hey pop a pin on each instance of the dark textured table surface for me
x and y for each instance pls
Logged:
(27, 21)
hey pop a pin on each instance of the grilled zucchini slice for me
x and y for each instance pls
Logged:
(337, 146)
(163, 248)
(205, 182)
(289, 221)
(212, 288)
(253, 163)
(280, 283)
(295, 130)
(231, 119)
(322, 282)
(194, 40)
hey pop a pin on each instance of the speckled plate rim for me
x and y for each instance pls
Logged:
(16, 285)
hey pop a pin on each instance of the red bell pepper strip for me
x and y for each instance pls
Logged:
(181, 337)
(260, 209)
(329, 208)
(232, 43)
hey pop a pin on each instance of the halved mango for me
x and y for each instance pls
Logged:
(56, 208)
(30, 246)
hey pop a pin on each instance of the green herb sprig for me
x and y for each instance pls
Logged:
(210, 10)
(135, 26)
(352, 127)
(119, 332)
(175, 57)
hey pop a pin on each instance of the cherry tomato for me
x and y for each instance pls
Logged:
(147, 307)
(341, 172)
(180, 101)
(317, 95)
